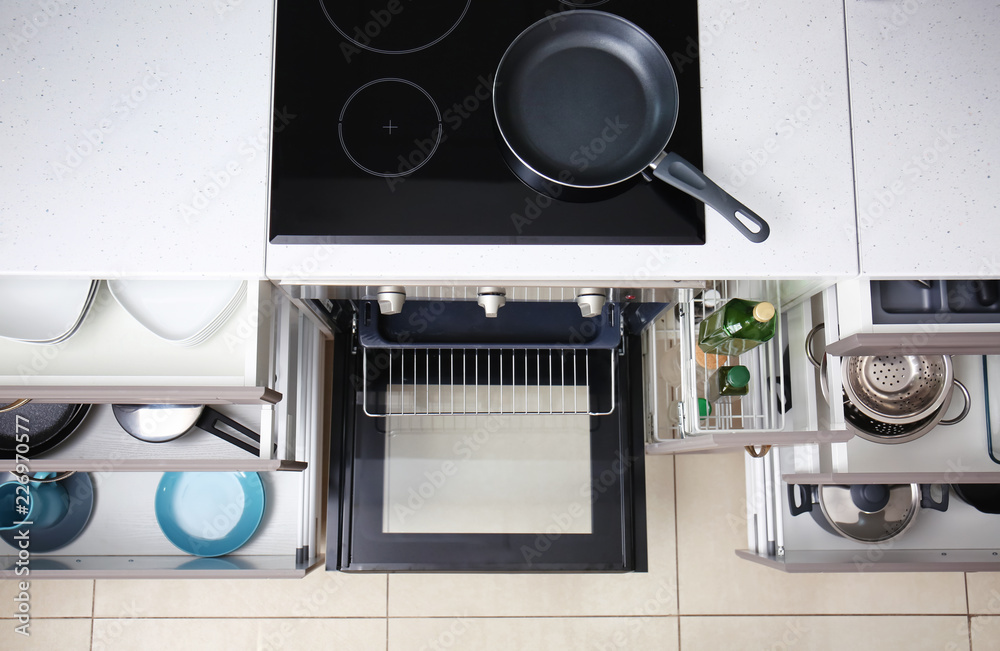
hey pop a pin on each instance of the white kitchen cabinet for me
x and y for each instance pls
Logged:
(958, 539)
(275, 386)
(867, 329)
(922, 82)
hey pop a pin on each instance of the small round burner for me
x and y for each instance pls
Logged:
(393, 26)
(390, 127)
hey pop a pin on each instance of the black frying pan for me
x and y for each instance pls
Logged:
(585, 101)
(44, 425)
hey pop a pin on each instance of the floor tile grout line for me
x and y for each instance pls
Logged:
(93, 611)
(968, 608)
(571, 616)
(387, 612)
(677, 553)
(760, 615)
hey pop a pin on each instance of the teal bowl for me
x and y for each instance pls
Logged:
(209, 513)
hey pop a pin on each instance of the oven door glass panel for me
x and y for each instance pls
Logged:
(497, 473)
(543, 492)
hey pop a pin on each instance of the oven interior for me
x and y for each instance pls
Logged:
(464, 442)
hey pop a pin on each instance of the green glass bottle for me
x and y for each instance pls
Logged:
(737, 326)
(729, 381)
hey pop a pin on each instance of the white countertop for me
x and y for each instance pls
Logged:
(118, 120)
(925, 89)
(760, 65)
(197, 80)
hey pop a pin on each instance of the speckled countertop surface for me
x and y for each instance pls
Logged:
(925, 91)
(135, 144)
(133, 137)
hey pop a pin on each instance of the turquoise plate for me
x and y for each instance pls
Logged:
(209, 513)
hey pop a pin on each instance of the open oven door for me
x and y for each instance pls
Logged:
(485, 455)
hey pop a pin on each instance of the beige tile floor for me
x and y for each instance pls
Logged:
(698, 596)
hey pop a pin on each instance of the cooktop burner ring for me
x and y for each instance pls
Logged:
(417, 149)
(372, 27)
(581, 4)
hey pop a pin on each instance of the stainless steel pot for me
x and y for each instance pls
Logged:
(866, 513)
(903, 427)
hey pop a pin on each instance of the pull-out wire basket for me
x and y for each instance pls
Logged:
(676, 381)
(460, 381)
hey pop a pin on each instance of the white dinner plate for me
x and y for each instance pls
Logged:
(42, 310)
(178, 311)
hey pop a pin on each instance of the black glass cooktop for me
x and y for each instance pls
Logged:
(384, 129)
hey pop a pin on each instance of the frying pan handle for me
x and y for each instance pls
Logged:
(673, 169)
(209, 421)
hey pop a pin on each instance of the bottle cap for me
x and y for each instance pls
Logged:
(763, 312)
(704, 408)
(738, 376)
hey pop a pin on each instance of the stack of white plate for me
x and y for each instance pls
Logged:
(44, 310)
(183, 312)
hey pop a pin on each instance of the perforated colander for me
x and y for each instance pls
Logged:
(898, 389)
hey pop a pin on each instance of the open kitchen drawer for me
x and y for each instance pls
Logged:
(112, 358)
(289, 359)
(951, 316)
(960, 538)
(779, 370)
(122, 539)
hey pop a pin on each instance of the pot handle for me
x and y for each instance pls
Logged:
(927, 501)
(674, 170)
(965, 409)
(209, 421)
(816, 361)
(804, 497)
(810, 353)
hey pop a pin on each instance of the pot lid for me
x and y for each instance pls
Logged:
(869, 513)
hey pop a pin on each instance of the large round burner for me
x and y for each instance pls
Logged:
(393, 26)
(390, 127)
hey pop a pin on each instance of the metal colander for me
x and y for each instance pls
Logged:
(882, 432)
(898, 389)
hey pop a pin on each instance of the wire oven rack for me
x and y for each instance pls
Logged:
(465, 381)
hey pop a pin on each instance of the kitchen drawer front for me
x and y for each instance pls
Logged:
(293, 369)
(958, 539)
(941, 319)
(112, 358)
(762, 420)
